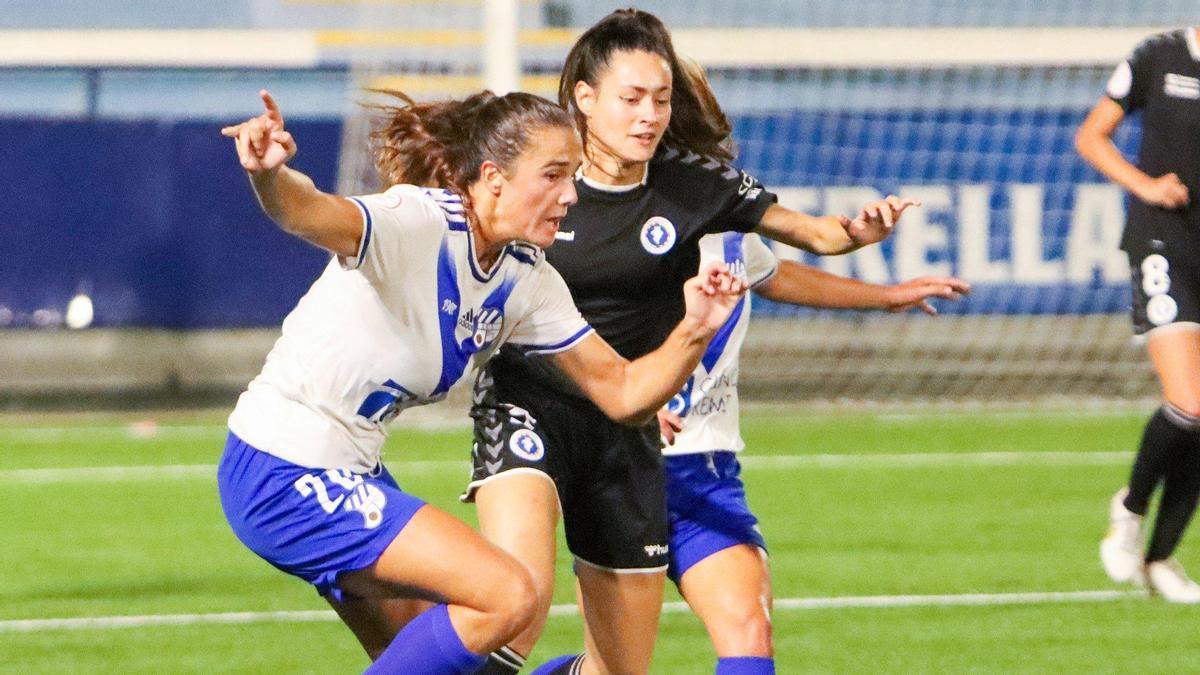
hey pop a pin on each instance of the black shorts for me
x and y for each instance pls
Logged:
(610, 477)
(1166, 282)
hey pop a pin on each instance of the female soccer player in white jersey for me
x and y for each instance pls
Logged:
(539, 444)
(1160, 80)
(718, 556)
(425, 282)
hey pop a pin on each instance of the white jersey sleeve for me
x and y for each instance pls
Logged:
(552, 323)
(761, 263)
(403, 221)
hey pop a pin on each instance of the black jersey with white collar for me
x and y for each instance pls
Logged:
(1161, 79)
(626, 254)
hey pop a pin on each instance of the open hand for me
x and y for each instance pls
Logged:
(916, 293)
(875, 221)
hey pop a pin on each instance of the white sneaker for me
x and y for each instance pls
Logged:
(1167, 578)
(1121, 548)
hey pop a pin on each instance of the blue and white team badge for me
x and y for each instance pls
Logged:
(658, 235)
(527, 445)
(369, 501)
(484, 326)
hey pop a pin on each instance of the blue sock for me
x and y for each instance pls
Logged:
(560, 665)
(746, 665)
(428, 645)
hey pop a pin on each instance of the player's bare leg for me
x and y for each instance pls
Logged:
(730, 591)
(489, 595)
(620, 613)
(518, 511)
(376, 621)
(1175, 352)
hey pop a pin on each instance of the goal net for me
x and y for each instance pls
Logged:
(969, 106)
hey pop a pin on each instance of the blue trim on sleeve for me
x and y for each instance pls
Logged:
(558, 346)
(733, 247)
(368, 227)
(721, 339)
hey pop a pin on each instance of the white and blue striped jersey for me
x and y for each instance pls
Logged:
(708, 402)
(396, 326)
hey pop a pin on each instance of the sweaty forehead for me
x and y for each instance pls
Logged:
(639, 69)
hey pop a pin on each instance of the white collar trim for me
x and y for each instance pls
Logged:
(603, 187)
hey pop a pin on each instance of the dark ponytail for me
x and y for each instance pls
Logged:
(442, 144)
(697, 122)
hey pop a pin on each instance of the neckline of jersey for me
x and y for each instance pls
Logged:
(612, 192)
(604, 187)
(473, 260)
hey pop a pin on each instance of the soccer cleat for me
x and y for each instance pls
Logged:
(1167, 578)
(1121, 548)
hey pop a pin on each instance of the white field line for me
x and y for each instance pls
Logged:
(117, 474)
(786, 604)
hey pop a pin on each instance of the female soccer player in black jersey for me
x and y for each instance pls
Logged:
(622, 249)
(1161, 79)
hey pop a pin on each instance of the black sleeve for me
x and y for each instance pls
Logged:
(1131, 80)
(724, 198)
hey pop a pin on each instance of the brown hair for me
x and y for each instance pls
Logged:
(442, 144)
(697, 122)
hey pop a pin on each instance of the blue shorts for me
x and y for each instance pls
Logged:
(707, 508)
(312, 523)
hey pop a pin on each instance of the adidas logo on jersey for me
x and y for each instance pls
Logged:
(483, 326)
(1181, 86)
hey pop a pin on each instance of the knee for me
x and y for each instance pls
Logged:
(746, 631)
(514, 603)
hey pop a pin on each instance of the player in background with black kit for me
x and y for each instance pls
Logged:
(632, 236)
(1160, 80)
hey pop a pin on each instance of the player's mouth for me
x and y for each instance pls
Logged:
(646, 139)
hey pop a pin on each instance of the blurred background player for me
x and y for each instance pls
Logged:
(623, 248)
(1161, 80)
(718, 555)
(425, 281)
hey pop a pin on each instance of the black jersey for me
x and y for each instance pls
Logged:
(625, 255)
(1161, 79)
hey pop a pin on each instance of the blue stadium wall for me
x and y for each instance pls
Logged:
(157, 223)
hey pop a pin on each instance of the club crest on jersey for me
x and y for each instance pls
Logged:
(658, 235)
(482, 327)
(527, 445)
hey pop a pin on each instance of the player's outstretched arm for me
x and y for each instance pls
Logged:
(1094, 142)
(833, 235)
(289, 197)
(632, 391)
(797, 284)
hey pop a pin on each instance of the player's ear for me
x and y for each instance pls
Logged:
(585, 97)
(491, 176)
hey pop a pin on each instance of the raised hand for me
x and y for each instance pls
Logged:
(1166, 191)
(262, 143)
(875, 221)
(712, 294)
(916, 293)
